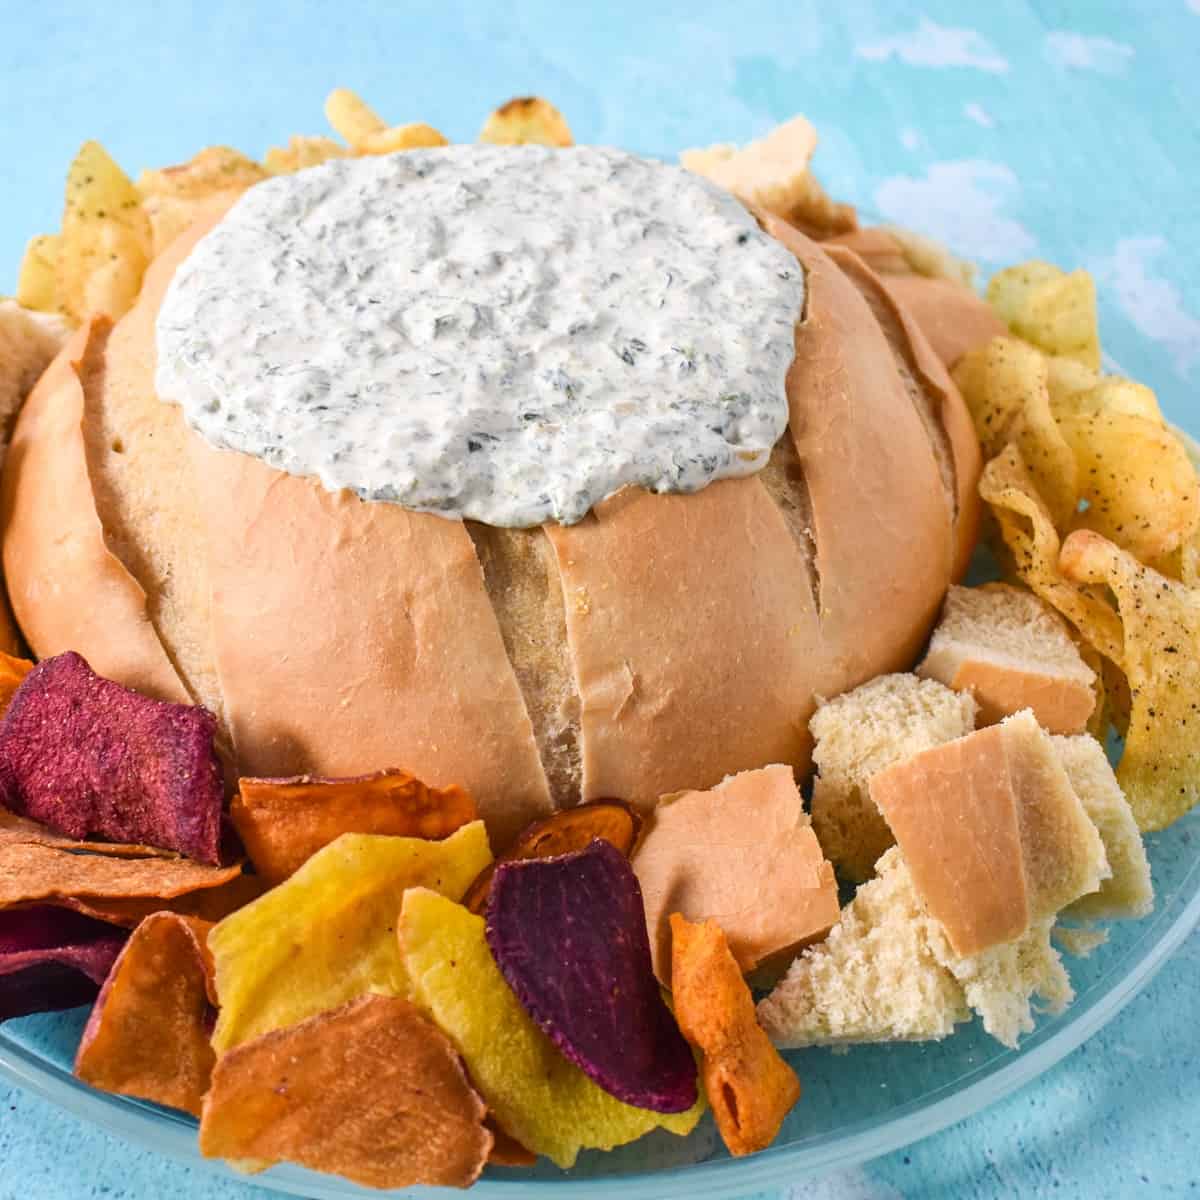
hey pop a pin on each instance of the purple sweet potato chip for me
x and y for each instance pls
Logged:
(569, 935)
(84, 755)
(52, 958)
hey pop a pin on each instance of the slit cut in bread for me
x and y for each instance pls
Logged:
(874, 727)
(993, 832)
(1010, 651)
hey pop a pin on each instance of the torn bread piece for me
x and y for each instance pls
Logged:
(742, 854)
(861, 733)
(887, 973)
(1129, 893)
(993, 832)
(773, 173)
(1011, 651)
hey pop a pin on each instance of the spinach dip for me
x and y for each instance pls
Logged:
(505, 334)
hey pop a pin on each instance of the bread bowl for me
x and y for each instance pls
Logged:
(661, 643)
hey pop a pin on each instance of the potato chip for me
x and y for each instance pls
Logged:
(1141, 489)
(52, 959)
(328, 934)
(302, 152)
(12, 673)
(526, 120)
(21, 830)
(46, 874)
(1066, 378)
(148, 1035)
(1160, 767)
(548, 1104)
(1031, 539)
(750, 1087)
(372, 1091)
(284, 822)
(83, 754)
(570, 829)
(105, 238)
(1053, 310)
(352, 117)
(569, 936)
(1107, 394)
(414, 136)
(174, 197)
(37, 282)
(1005, 386)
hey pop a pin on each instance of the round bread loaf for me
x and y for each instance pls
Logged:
(660, 644)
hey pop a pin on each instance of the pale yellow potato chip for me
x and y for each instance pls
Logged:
(1110, 394)
(1034, 545)
(527, 120)
(1160, 768)
(1141, 489)
(105, 237)
(402, 137)
(352, 117)
(328, 934)
(1053, 310)
(302, 152)
(538, 1097)
(1008, 291)
(37, 282)
(1066, 378)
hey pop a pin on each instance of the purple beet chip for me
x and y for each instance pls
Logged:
(85, 755)
(52, 958)
(569, 936)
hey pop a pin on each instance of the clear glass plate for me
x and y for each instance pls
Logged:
(856, 1104)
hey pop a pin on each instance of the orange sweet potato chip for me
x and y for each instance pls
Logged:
(12, 672)
(48, 874)
(284, 822)
(207, 903)
(372, 1091)
(751, 1089)
(21, 830)
(148, 1035)
(572, 829)
(506, 1150)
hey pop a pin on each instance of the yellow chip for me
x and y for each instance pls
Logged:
(1053, 310)
(352, 117)
(1034, 544)
(1141, 488)
(302, 152)
(37, 282)
(105, 237)
(1005, 386)
(1110, 394)
(402, 137)
(527, 120)
(328, 934)
(538, 1097)
(1160, 769)
(1066, 378)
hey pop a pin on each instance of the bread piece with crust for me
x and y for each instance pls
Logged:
(1011, 651)
(886, 972)
(861, 733)
(1129, 893)
(993, 832)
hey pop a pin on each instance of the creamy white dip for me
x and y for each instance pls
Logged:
(506, 334)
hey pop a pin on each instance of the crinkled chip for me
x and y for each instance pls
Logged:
(148, 1035)
(85, 755)
(328, 934)
(569, 936)
(750, 1087)
(1055, 311)
(571, 829)
(527, 120)
(51, 958)
(371, 1091)
(1030, 536)
(366, 130)
(31, 874)
(284, 822)
(1160, 768)
(540, 1098)
(302, 152)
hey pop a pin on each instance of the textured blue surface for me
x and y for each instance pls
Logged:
(1065, 130)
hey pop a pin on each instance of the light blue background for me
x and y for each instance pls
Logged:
(1065, 130)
